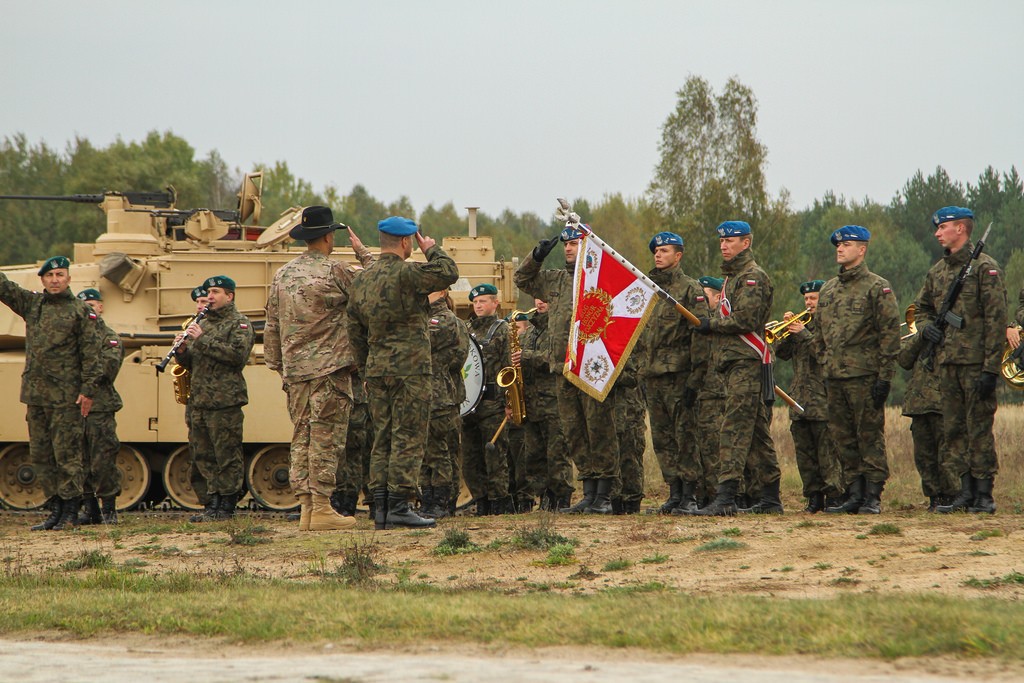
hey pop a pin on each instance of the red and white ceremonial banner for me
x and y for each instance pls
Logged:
(610, 307)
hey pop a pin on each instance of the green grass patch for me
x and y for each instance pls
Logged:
(886, 529)
(822, 566)
(656, 558)
(720, 545)
(1013, 578)
(559, 555)
(88, 559)
(929, 549)
(732, 531)
(986, 533)
(541, 536)
(617, 565)
(456, 541)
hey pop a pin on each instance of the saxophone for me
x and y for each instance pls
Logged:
(511, 378)
(182, 377)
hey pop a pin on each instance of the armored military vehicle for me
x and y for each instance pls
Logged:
(145, 265)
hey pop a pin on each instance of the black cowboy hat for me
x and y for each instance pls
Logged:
(317, 221)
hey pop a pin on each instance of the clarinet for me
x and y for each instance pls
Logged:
(174, 347)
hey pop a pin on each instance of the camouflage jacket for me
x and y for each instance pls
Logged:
(111, 353)
(750, 291)
(1020, 307)
(858, 325)
(61, 339)
(306, 335)
(388, 313)
(449, 345)
(554, 287)
(981, 304)
(672, 345)
(494, 346)
(924, 389)
(808, 387)
(538, 380)
(216, 359)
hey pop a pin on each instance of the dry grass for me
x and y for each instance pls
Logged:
(903, 489)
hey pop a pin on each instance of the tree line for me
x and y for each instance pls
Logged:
(711, 169)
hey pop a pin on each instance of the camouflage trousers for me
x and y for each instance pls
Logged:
(588, 426)
(745, 439)
(486, 470)
(56, 437)
(522, 473)
(816, 458)
(631, 428)
(354, 464)
(400, 410)
(102, 478)
(319, 409)
(967, 423)
(218, 457)
(546, 454)
(937, 477)
(858, 429)
(673, 428)
(709, 425)
(437, 468)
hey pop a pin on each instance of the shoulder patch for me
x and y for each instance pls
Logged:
(434, 321)
(700, 298)
(751, 283)
(243, 326)
(886, 290)
(993, 272)
(113, 342)
(92, 315)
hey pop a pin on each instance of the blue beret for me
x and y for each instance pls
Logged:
(811, 286)
(90, 294)
(734, 229)
(480, 290)
(570, 234)
(198, 292)
(53, 263)
(850, 233)
(951, 213)
(714, 283)
(663, 239)
(397, 226)
(222, 281)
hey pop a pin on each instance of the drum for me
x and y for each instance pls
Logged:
(473, 378)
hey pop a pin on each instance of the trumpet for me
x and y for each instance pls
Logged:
(776, 330)
(1011, 367)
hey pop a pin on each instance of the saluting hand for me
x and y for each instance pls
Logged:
(353, 239)
(424, 241)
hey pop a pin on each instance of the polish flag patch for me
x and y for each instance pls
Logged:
(700, 298)
(886, 290)
(751, 283)
(243, 326)
(113, 342)
(434, 321)
(92, 316)
(993, 272)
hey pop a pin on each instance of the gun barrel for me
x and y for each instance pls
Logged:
(78, 198)
(161, 200)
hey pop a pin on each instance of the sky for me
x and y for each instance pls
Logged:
(509, 104)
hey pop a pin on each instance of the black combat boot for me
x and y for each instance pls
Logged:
(983, 501)
(209, 512)
(56, 507)
(108, 511)
(631, 507)
(853, 500)
(401, 515)
(442, 494)
(687, 499)
(524, 505)
(872, 498)
(351, 503)
(226, 509)
(547, 500)
(963, 500)
(90, 511)
(338, 501)
(380, 508)
(589, 491)
(618, 506)
(483, 507)
(724, 503)
(770, 503)
(69, 514)
(561, 502)
(675, 494)
(427, 502)
(815, 502)
(602, 504)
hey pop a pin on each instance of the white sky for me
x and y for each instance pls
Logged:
(509, 104)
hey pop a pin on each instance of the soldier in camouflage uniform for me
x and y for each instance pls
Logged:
(745, 436)
(673, 374)
(857, 338)
(710, 400)
(449, 344)
(486, 469)
(922, 403)
(202, 300)
(102, 478)
(389, 316)
(62, 372)
(588, 425)
(215, 352)
(543, 428)
(815, 455)
(306, 342)
(968, 358)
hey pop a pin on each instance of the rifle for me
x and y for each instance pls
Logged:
(945, 318)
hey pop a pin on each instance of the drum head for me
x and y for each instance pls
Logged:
(473, 378)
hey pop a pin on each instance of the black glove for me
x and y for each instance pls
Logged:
(985, 385)
(932, 333)
(704, 327)
(880, 392)
(544, 247)
(689, 397)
